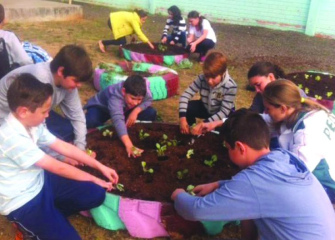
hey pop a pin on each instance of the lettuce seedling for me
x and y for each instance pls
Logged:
(120, 187)
(189, 189)
(144, 167)
(189, 153)
(181, 174)
(161, 149)
(211, 162)
(107, 133)
(143, 135)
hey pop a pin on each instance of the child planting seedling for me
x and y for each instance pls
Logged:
(144, 167)
(136, 151)
(189, 189)
(143, 135)
(211, 162)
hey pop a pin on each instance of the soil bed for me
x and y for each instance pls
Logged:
(159, 185)
(159, 50)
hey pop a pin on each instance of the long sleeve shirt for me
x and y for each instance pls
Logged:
(219, 101)
(177, 29)
(112, 100)
(67, 100)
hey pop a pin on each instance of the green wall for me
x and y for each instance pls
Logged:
(312, 17)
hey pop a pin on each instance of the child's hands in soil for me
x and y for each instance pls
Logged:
(184, 128)
(151, 45)
(197, 129)
(134, 151)
(110, 174)
(204, 189)
(176, 193)
(164, 39)
(172, 43)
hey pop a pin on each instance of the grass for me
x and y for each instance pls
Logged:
(242, 44)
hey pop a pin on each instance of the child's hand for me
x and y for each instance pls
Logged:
(104, 184)
(204, 189)
(176, 192)
(164, 40)
(134, 151)
(172, 43)
(132, 118)
(184, 128)
(193, 46)
(151, 46)
(197, 129)
(110, 174)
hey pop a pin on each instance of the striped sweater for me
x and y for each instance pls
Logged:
(177, 30)
(219, 101)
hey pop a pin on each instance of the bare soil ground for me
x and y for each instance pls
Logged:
(242, 44)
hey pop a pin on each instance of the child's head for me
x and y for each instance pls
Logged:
(215, 66)
(262, 73)
(283, 102)
(2, 14)
(245, 128)
(174, 13)
(72, 61)
(29, 99)
(195, 19)
(134, 90)
(142, 14)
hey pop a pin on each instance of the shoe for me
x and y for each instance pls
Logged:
(101, 46)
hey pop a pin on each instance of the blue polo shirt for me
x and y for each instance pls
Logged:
(20, 179)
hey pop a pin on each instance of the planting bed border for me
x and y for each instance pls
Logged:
(143, 219)
(307, 82)
(161, 87)
(152, 58)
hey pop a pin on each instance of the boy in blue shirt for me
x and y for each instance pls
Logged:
(274, 193)
(124, 103)
(38, 192)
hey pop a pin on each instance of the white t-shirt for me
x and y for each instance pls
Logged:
(205, 26)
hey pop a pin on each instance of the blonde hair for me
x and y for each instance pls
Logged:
(286, 93)
(215, 64)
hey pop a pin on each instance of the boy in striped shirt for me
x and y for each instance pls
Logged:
(217, 94)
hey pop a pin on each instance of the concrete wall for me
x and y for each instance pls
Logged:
(313, 17)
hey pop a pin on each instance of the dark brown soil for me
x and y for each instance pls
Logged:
(168, 50)
(159, 185)
(317, 85)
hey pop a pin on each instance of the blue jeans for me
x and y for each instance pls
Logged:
(96, 116)
(181, 40)
(44, 217)
(60, 127)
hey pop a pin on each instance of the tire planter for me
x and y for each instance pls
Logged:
(161, 86)
(160, 59)
(319, 86)
(150, 219)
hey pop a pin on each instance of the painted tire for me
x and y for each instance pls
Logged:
(151, 58)
(161, 86)
(318, 86)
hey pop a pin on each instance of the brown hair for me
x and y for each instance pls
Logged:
(2, 13)
(286, 93)
(215, 64)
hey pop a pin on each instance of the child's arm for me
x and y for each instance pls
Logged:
(132, 151)
(69, 150)
(16, 51)
(65, 170)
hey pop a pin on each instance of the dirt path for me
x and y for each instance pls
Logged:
(242, 44)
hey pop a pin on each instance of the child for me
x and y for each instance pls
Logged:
(16, 55)
(217, 91)
(123, 24)
(124, 103)
(70, 67)
(274, 189)
(178, 24)
(201, 36)
(259, 75)
(305, 128)
(38, 192)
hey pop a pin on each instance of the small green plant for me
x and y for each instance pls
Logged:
(89, 151)
(169, 142)
(120, 187)
(307, 90)
(144, 167)
(318, 78)
(329, 94)
(181, 174)
(143, 135)
(189, 153)
(136, 151)
(160, 149)
(318, 97)
(107, 133)
(162, 48)
(211, 162)
(189, 189)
